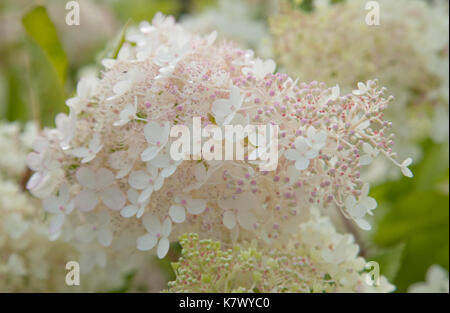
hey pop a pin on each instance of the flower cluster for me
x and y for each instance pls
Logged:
(28, 258)
(106, 175)
(436, 281)
(15, 144)
(408, 52)
(317, 259)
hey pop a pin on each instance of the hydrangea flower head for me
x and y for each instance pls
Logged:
(129, 193)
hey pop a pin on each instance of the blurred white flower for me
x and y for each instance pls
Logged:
(97, 185)
(177, 212)
(135, 208)
(359, 208)
(147, 181)
(436, 281)
(157, 234)
(89, 153)
(60, 206)
(157, 135)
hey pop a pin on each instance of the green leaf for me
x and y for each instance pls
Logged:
(41, 29)
(416, 218)
(420, 220)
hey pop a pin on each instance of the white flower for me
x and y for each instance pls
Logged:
(124, 85)
(239, 210)
(194, 206)
(157, 135)
(135, 208)
(98, 185)
(86, 88)
(224, 110)
(97, 227)
(47, 169)
(66, 126)
(167, 58)
(157, 233)
(362, 89)
(436, 282)
(358, 209)
(60, 206)
(404, 167)
(16, 265)
(371, 153)
(91, 256)
(165, 162)
(122, 161)
(335, 92)
(127, 114)
(147, 181)
(344, 250)
(302, 153)
(15, 225)
(89, 153)
(316, 139)
(260, 68)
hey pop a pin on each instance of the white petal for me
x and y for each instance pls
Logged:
(105, 237)
(369, 203)
(129, 211)
(407, 172)
(150, 153)
(56, 222)
(64, 194)
(86, 177)
(365, 190)
(177, 213)
(133, 196)
(113, 198)
(166, 228)
(80, 152)
(291, 154)
(139, 180)
(301, 164)
(86, 200)
(407, 162)
(221, 108)
(84, 233)
(122, 87)
(195, 206)
(229, 220)
(163, 247)
(146, 242)
(51, 204)
(140, 212)
(363, 224)
(104, 178)
(157, 133)
(246, 219)
(350, 202)
(145, 195)
(168, 171)
(152, 224)
(158, 183)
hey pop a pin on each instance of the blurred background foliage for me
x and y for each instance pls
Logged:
(41, 59)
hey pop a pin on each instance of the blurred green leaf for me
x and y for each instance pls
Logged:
(41, 29)
(113, 48)
(417, 217)
(47, 68)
